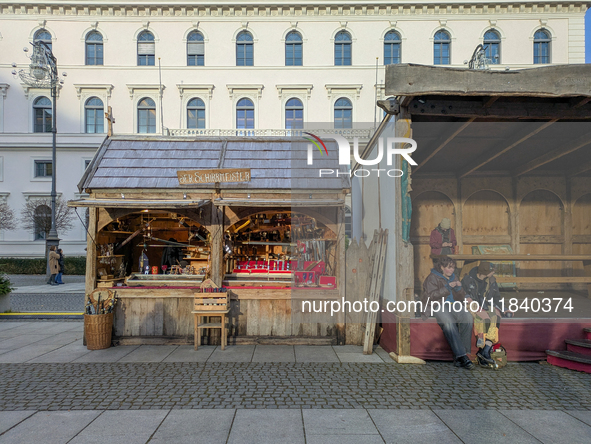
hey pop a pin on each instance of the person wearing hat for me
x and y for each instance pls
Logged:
(443, 238)
(481, 286)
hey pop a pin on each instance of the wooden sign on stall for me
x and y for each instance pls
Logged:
(196, 177)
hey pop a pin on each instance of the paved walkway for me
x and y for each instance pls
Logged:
(53, 390)
(237, 426)
(32, 294)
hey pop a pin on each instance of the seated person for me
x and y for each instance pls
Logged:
(481, 286)
(443, 286)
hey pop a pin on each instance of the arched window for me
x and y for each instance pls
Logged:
(492, 45)
(146, 116)
(245, 114)
(441, 48)
(44, 36)
(294, 114)
(94, 112)
(342, 49)
(195, 49)
(94, 48)
(42, 115)
(392, 45)
(146, 49)
(542, 49)
(244, 49)
(343, 113)
(196, 113)
(293, 49)
(42, 221)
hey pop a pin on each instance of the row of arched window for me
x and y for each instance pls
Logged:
(343, 47)
(146, 114)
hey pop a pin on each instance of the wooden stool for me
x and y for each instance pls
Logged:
(211, 304)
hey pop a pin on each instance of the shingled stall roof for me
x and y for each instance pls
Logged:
(141, 162)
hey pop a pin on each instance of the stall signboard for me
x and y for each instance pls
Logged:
(193, 177)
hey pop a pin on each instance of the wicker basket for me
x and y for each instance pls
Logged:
(98, 329)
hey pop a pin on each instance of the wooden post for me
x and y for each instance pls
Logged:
(567, 246)
(404, 251)
(340, 272)
(91, 251)
(216, 230)
(90, 278)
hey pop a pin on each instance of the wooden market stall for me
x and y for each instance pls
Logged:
(250, 214)
(506, 156)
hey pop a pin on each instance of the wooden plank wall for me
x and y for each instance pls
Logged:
(533, 214)
(166, 314)
(428, 210)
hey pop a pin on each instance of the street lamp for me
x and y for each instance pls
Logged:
(42, 73)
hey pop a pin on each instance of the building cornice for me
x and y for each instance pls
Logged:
(193, 87)
(93, 86)
(231, 9)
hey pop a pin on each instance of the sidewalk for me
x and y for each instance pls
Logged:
(53, 390)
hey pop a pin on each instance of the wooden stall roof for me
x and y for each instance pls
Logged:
(144, 162)
(470, 122)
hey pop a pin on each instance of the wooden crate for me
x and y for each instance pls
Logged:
(211, 302)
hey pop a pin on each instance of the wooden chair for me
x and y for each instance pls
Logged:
(210, 305)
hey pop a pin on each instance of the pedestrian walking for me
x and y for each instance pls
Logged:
(53, 265)
(61, 267)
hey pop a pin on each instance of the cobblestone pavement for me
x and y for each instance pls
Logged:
(289, 385)
(60, 302)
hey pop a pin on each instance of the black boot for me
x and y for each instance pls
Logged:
(483, 355)
(464, 362)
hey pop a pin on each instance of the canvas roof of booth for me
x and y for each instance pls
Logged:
(468, 122)
(141, 162)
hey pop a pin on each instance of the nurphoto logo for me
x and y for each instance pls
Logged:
(345, 154)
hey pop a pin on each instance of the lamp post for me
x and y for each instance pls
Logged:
(42, 73)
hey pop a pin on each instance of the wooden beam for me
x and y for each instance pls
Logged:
(578, 102)
(502, 110)
(544, 279)
(553, 155)
(582, 168)
(406, 101)
(488, 103)
(447, 138)
(518, 138)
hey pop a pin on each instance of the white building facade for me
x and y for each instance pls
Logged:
(179, 67)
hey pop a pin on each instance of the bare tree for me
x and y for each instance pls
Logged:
(36, 215)
(7, 219)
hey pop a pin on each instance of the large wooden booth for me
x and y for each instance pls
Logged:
(506, 156)
(166, 213)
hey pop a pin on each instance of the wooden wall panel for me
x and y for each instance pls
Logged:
(581, 227)
(540, 268)
(423, 263)
(541, 214)
(428, 210)
(485, 213)
(578, 269)
(582, 216)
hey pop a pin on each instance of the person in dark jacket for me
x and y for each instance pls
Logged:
(440, 290)
(481, 286)
(61, 266)
(443, 238)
